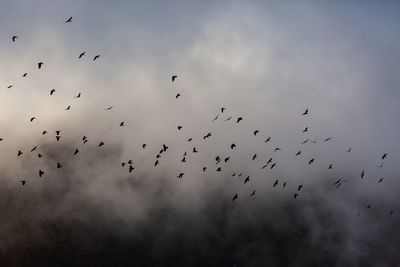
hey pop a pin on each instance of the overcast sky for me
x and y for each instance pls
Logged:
(264, 61)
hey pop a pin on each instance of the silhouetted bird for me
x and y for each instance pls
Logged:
(267, 140)
(190, 140)
(284, 184)
(380, 180)
(256, 132)
(305, 112)
(253, 193)
(254, 156)
(19, 153)
(180, 127)
(131, 168)
(233, 146)
(177, 95)
(40, 155)
(58, 132)
(273, 165)
(277, 149)
(156, 163)
(204, 169)
(52, 91)
(226, 159)
(44, 132)
(32, 119)
(327, 139)
(180, 175)
(311, 161)
(207, 136)
(78, 95)
(76, 151)
(23, 182)
(235, 197)
(82, 54)
(41, 173)
(299, 187)
(96, 57)
(222, 110)
(194, 150)
(218, 169)
(305, 141)
(58, 137)
(109, 108)
(362, 174)
(215, 118)
(25, 74)
(348, 150)
(68, 20)
(59, 165)
(144, 146)
(14, 38)
(276, 183)
(305, 130)
(295, 195)
(330, 166)
(101, 144)
(174, 77)
(247, 179)
(369, 206)
(228, 119)
(68, 108)
(384, 156)
(40, 64)
(298, 153)
(121, 124)
(184, 159)
(239, 119)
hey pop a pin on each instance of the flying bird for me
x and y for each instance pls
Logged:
(298, 153)
(40, 64)
(78, 95)
(177, 95)
(68, 108)
(222, 110)
(330, 166)
(25, 74)
(59, 165)
(122, 124)
(235, 197)
(20, 153)
(295, 195)
(32, 119)
(253, 193)
(96, 57)
(233, 146)
(41, 173)
(228, 119)
(275, 184)
(327, 139)
(384, 156)
(239, 119)
(68, 20)
(305, 141)
(267, 140)
(256, 132)
(76, 151)
(14, 38)
(101, 144)
(180, 175)
(180, 127)
(305, 112)
(82, 54)
(144, 146)
(305, 130)
(204, 169)
(131, 168)
(215, 118)
(311, 161)
(254, 156)
(52, 91)
(109, 108)
(299, 187)
(174, 77)
(348, 150)
(23, 182)
(277, 149)
(247, 179)
(34, 148)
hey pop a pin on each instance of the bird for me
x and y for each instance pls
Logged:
(217, 159)
(78, 95)
(23, 182)
(96, 57)
(144, 146)
(58, 137)
(256, 132)
(253, 193)
(275, 184)
(348, 150)
(109, 108)
(40, 64)
(305, 130)
(295, 195)
(277, 149)
(207, 135)
(226, 159)
(337, 182)
(299, 187)
(180, 175)
(122, 124)
(82, 54)
(34, 148)
(204, 169)
(41, 173)
(380, 166)
(183, 159)
(284, 184)
(68, 20)
(8, 87)
(218, 169)
(190, 139)
(76, 151)
(215, 118)
(330, 166)
(369, 206)
(164, 147)
(14, 38)
(327, 139)
(305, 112)
(180, 127)
(174, 77)
(32, 119)
(123, 164)
(20, 153)
(362, 174)
(177, 95)
(273, 165)
(228, 119)
(131, 168)
(40, 156)
(380, 180)
(52, 91)
(156, 163)
(233, 146)
(239, 119)
(384, 156)
(68, 108)
(194, 150)
(267, 140)
(59, 165)
(310, 161)
(101, 144)
(25, 74)
(247, 179)
(298, 153)
(58, 132)
(235, 197)
(305, 141)
(254, 156)
(130, 161)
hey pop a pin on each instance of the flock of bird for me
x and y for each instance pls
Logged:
(219, 160)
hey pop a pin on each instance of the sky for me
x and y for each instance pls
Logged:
(264, 61)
